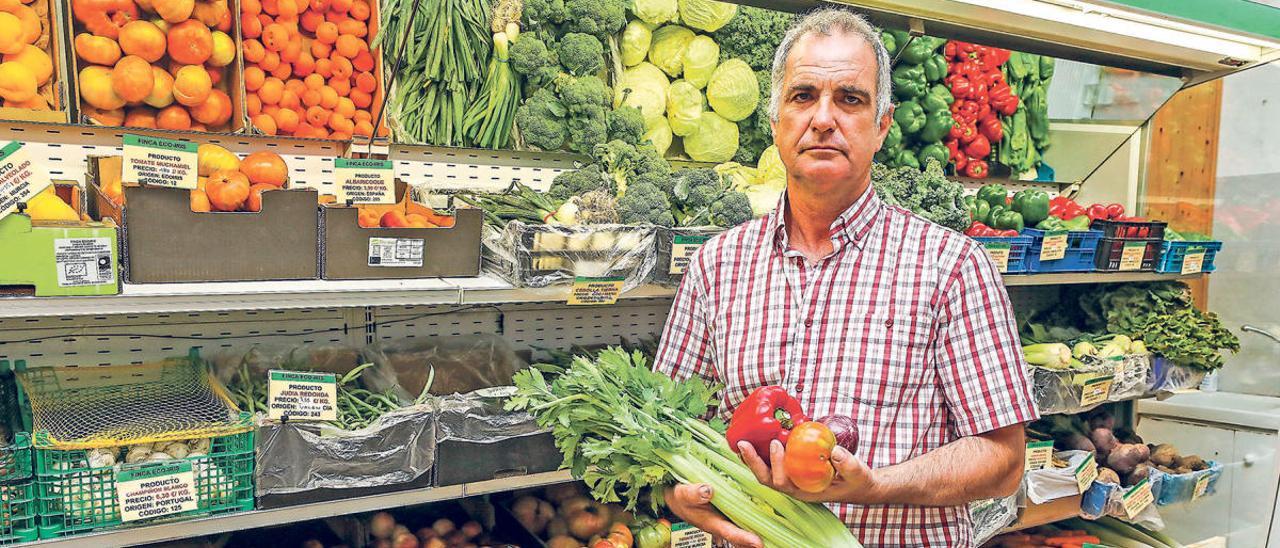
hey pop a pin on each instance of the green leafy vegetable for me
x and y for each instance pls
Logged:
(927, 193)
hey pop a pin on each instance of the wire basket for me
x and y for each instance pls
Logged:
(90, 408)
(17, 512)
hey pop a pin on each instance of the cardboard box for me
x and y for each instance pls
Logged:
(352, 252)
(1049, 512)
(45, 258)
(55, 91)
(232, 79)
(164, 241)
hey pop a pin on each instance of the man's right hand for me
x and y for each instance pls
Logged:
(692, 502)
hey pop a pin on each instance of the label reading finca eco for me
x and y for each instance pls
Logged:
(1137, 498)
(157, 489)
(364, 181)
(20, 178)
(684, 535)
(302, 396)
(154, 161)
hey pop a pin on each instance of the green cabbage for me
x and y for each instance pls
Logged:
(636, 39)
(684, 107)
(654, 12)
(660, 135)
(740, 177)
(706, 15)
(667, 50)
(771, 181)
(733, 91)
(700, 60)
(643, 86)
(715, 140)
(770, 167)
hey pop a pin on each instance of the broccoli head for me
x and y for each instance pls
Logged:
(541, 121)
(540, 13)
(732, 209)
(926, 193)
(599, 18)
(696, 188)
(752, 35)
(587, 128)
(580, 54)
(626, 163)
(585, 93)
(626, 124)
(578, 182)
(530, 57)
(645, 203)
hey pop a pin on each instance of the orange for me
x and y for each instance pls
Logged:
(140, 117)
(365, 82)
(271, 91)
(30, 20)
(250, 27)
(192, 85)
(353, 28)
(292, 49)
(250, 7)
(270, 110)
(364, 128)
(338, 122)
(310, 20)
(363, 116)
(311, 97)
(319, 6)
(264, 123)
(215, 111)
(342, 68)
(275, 37)
(224, 50)
(190, 42)
(348, 46)
(270, 7)
(317, 116)
(334, 17)
(360, 98)
(173, 117)
(253, 51)
(359, 10)
(144, 39)
(162, 92)
(341, 86)
(290, 99)
(295, 85)
(288, 9)
(174, 11)
(36, 60)
(328, 97)
(324, 67)
(339, 6)
(199, 127)
(283, 72)
(132, 79)
(270, 61)
(340, 136)
(314, 81)
(200, 202)
(252, 104)
(363, 61)
(286, 120)
(327, 33)
(253, 77)
(320, 50)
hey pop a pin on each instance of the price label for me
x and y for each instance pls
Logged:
(1086, 472)
(999, 253)
(684, 535)
(1137, 498)
(302, 396)
(1202, 487)
(1096, 390)
(1132, 254)
(155, 161)
(1193, 261)
(20, 178)
(682, 250)
(595, 291)
(396, 251)
(364, 181)
(155, 489)
(1054, 246)
(1039, 454)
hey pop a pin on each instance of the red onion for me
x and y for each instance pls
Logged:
(845, 430)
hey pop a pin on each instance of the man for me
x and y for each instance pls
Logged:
(858, 309)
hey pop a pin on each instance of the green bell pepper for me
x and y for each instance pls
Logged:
(1050, 224)
(1017, 65)
(937, 124)
(920, 49)
(1079, 223)
(935, 67)
(909, 116)
(906, 158)
(909, 82)
(978, 210)
(1046, 67)
(940, 91)
(1032, 204)
(890, 44)
(992, 194)
(1005, 219)
(1037, 114)
(893, 137)
(936, 151)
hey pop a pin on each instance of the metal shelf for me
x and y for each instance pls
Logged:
(264, 518)
(1069, 278)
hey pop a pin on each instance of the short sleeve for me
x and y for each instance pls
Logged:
(685, 348)
(978, 354)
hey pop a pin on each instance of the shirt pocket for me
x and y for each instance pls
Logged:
(891, 359)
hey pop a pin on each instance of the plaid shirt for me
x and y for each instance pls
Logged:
(906, 327)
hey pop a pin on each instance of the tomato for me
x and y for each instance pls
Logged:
(808, 457)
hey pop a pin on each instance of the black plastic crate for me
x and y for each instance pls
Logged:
(1111, 251)
(1130, 230)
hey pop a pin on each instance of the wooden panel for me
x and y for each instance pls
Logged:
(1182, 164)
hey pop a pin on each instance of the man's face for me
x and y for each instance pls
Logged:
(827, 130)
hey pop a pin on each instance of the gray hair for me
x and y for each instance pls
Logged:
(828, 21)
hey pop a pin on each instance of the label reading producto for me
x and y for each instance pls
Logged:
(1096, 390)
(1086, 472)
(682, 250)
(364, 181)
(155, 489)
(1137, 498)
(302, 396)
(1193, 261)
(396, 251)
(83, 261)
(1202, 487)
(684, 535)
(154, 161)
(20, 178)
(1054, 246)
(1132, 254)
(1039, 454)
(595, 291)
(999, 253)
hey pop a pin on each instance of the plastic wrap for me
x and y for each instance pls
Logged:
(1060, 390)
(1133, 373)
(478, 417)
(1055, 483)
(1175, 488)
(1106, 499)
(1169, 377)
(479, 441)
(462, 364)
(989, 516)
(542, 255)
(675, 247)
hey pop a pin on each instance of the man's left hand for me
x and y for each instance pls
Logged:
(852, 481)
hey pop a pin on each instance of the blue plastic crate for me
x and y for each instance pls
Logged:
(1018, 246)
(1173, 253)
(1081, 246)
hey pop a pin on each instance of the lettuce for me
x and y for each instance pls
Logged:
(643, 86)
(669, 45)
(684, 107)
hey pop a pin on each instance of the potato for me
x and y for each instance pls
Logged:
(1104, 440)
(1107, 475)
(1164, 455)
(1140, 472)
(1101, 419)
(1192, 462)
(1126, 457)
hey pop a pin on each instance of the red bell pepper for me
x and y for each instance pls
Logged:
(977, 229)
(960, 87)
(949, 50)
(1072, 211)
(964, 131)
(957, 157)
(991, 128)
(1096, 211)
(1114, 211)
(979, 147)
(767, 414)
(976, 168)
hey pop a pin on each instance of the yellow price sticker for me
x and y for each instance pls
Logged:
(1193, 261)
(1054, 246)
(1132, 255)
(999, 253)
(1086, 472)
(1137, 498)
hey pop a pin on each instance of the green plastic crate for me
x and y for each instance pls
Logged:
(75, 498)
(18, 512)
(15, 457)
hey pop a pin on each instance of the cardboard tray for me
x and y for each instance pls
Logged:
(460, 461)
(164, 241)
(28, 261)
(448, 252)
(56, 90)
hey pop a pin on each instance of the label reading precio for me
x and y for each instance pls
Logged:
(364, 181)
(302, 396)
(396, 251)
(159, 162)
(20, 178)
(153, 490)
(84, 261)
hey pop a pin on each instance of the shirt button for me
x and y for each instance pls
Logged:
(799, 388)
(888, 323)
(808, 322)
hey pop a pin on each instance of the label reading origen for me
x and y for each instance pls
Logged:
(302, 396)
(156, 489)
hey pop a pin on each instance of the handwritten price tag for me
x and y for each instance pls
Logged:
(999, 254)
(20, 178)
(1054, 246)
(1193, 261)
(1137, 498)
(1132, 255)
(1038, 455)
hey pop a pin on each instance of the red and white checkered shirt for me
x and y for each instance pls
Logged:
(906, 327)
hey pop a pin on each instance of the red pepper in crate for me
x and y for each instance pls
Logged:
(1097, 211)
(1115, 211)
(957, 157)
(767, 414)
(960, 87)
(979, 147)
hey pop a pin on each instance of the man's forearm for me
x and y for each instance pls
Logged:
(972, 468)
